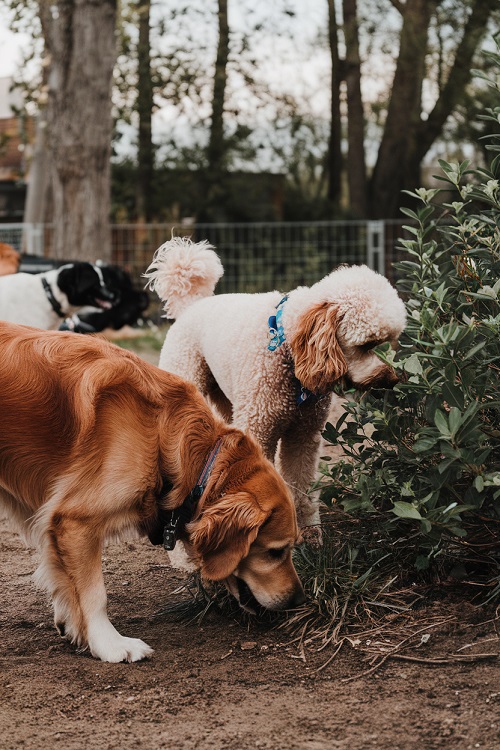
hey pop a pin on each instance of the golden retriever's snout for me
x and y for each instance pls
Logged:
(297, 599)
(253, 599)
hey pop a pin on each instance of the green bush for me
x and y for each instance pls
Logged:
(427, 471)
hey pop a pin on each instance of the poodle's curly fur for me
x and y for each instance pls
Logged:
(220, 343)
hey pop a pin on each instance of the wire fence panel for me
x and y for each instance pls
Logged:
(256, 256)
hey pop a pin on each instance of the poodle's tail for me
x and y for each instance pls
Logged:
(182, 272)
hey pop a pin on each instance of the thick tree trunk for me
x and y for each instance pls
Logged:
(145, 153)
(403, 116)
(356, 168)
(80, 38)
(334, 155)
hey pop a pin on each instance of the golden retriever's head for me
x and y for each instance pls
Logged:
(245, 536)
(334, 338)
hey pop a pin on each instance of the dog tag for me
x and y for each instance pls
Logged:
(169, 539)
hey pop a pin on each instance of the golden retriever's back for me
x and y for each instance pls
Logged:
(66, 395)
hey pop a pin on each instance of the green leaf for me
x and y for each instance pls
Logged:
(441, 423)
(455, 419)
(479, 483)
(406, 510)
(412, 365)
(424, 444)
(422, 562)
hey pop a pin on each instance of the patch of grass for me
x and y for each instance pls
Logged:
(150, 340)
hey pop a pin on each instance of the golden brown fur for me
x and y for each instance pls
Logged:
(9, 259)
(89, 435)
(318, 358)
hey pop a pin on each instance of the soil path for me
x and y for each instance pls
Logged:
(203, 690)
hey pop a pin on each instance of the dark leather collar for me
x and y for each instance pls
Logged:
(172, 522)
(50, 296)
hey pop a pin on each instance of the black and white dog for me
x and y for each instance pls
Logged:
(44, 299)
(127, 309)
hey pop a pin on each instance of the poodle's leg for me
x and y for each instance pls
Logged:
(297, 461)
(71, 571)
(266, 432)
(193, 367)
(215, 395)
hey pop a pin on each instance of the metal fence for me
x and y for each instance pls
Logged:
(256, 256)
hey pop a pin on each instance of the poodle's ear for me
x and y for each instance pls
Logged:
(318, 359)
(222, 536)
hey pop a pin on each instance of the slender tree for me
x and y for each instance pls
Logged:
(334, 154)
(355, 162)
(145, 151)
(216, 152)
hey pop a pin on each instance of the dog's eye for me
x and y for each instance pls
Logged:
(277, 552)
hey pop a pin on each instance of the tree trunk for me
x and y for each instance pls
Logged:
(216, 146)
(334, 155)
(459, 76)
(80, 38)
(215, 183)
(356, 167)
(145, 154)
(34, 210)
(403, 116)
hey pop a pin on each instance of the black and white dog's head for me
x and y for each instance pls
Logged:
(128, 306)
(84, 284)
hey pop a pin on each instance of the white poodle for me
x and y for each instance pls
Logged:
(269, 362)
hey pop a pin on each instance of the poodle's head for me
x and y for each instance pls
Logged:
(347, 315)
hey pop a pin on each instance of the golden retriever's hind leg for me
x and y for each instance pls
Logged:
(72, 572)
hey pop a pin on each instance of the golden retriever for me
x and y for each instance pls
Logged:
(96, 443)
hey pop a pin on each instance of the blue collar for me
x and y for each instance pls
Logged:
(276, 331)
(276, 339)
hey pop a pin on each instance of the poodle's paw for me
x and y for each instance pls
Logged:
(312, 535)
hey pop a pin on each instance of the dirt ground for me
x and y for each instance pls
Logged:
(225, 686)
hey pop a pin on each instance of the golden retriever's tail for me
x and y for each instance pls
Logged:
(182, 272)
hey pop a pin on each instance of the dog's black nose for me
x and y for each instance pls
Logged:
(297, 598)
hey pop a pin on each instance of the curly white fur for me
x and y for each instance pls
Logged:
(220, 344)
(182, 272)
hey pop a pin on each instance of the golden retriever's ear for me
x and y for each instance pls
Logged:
(318, 358)
(222, 536)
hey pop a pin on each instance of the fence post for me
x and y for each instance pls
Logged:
(33, 239)
(375, 246)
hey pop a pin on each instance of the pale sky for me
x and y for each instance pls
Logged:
(10, 49)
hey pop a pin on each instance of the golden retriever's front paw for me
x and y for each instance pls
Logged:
(121, 649)
(312, 535)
